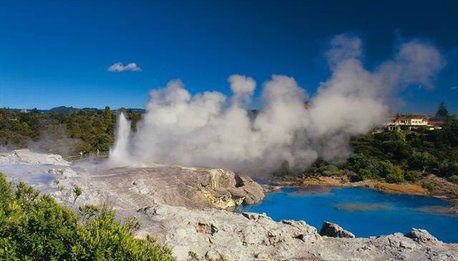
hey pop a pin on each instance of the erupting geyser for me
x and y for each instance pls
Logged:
(211, 129)
(119, 153)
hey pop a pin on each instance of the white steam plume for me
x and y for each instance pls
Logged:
(119, 154)
(211, 129)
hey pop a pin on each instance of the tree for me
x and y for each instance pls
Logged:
(442, 112)
(103, 142)
(107, 117)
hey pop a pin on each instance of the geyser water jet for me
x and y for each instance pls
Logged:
(119, 154)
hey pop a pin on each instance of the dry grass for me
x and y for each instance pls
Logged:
(325, 181)
(403, 188)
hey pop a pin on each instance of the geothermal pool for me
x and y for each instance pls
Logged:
(362, 211)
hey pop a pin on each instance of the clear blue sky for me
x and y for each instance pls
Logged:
(56, 53)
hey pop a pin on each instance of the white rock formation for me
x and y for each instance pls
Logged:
(171, 205)
(25, 156)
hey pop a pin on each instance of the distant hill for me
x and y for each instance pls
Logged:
(131, 109)
(69, 110)
(64, 109)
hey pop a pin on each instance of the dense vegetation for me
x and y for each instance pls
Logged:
(36, 227)
(62, 130)
(398, 156)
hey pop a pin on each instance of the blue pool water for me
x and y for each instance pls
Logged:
(364, 212)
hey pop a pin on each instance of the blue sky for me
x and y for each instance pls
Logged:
(56, 53)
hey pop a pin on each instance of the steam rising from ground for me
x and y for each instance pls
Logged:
(211, 129)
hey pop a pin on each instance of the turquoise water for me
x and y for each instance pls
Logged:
(364, 212)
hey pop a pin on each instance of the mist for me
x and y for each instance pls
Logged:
(54, 139)
(213, 130)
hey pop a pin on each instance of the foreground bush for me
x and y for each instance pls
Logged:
(36, 227)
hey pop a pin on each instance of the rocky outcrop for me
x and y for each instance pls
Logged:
(333, 230)
(216, 235)
(422, 236)
(25, 156)
(179, 186)
(442, 187)
(225, 189)
(175, 205)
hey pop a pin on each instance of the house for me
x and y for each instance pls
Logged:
(435, 125)
(407, 122)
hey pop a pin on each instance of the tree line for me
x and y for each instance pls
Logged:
(62, 130)
(399, 156)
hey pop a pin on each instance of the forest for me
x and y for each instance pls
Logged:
(62, 130)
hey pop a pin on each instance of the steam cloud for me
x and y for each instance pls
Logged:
(211, 129)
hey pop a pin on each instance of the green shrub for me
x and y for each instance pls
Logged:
(192, 256)
(413, 176)
(395, 178)
(330, 170)
(428, 185)
(454, 179)
(394, 175)
(36, 227)
(77, 191)
(367, 174)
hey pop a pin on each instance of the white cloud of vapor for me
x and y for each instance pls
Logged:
(119, 67)
(210, 129)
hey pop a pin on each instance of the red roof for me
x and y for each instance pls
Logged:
(435, 123)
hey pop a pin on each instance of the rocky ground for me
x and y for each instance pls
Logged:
(183, 208)
(178, 186)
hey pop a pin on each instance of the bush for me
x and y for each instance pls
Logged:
(36, 227)
(103, 142)
(413, 176)
(428, 185)
(330, 170)
(393, 174)
(454, 179)
(395, 178)
(367, 174)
